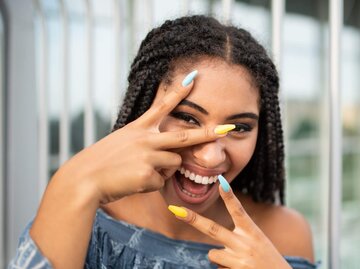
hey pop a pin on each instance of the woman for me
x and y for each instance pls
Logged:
(201, 108)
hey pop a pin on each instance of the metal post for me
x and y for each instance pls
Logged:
(277, 14)
(42, 82)
(185, 7)
(89, 130)
(336, 21)
(149, 21)
(64, 116)
(226, 10)
(117, 71)
(2, 144)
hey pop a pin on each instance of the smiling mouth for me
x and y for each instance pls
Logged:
(204, 180)
(193, 188)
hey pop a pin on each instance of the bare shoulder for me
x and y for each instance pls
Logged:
(288, 230)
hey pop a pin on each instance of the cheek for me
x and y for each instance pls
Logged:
(240, 153)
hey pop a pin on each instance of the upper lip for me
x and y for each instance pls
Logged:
(202, 171)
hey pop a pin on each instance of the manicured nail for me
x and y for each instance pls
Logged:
(190, 77)
(178, 211)
(223, 129)
(224, 184)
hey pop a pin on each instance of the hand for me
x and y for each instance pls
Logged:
(245, 247)
(137, 157)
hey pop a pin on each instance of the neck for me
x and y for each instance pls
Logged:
(149, 210)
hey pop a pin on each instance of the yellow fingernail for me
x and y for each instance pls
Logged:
(223, 129)
(178, 211)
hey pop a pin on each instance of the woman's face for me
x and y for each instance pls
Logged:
(222, 94)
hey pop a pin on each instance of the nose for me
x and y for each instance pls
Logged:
(209, 155)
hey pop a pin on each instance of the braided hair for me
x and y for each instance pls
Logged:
(187, 39)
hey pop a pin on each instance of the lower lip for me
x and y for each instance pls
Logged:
(188, 199)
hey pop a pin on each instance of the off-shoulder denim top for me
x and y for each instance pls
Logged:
(117, 244)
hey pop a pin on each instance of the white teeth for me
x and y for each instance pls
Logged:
(190, 194)
(205, 180)
(197, 178)
(182, 170)
(213, 179)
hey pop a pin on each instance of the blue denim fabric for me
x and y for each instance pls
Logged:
(117, 244)
(27, 254)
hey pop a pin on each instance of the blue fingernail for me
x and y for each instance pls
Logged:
(190, 77)
(224, 184)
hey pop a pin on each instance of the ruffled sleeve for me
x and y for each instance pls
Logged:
(301, 263)
(28, 254)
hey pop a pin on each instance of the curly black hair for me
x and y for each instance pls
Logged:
(187, 39)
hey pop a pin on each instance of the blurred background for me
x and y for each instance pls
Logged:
(63, 69)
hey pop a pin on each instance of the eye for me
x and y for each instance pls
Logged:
(241, 128)
(184, 117)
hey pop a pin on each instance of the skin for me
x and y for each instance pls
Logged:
(137, 176)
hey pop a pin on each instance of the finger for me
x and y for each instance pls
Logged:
(164, 159)
(205, 225)
(233, 205)
(167, 173)
(189, 137)
(225, 259)
(155, 182)
(166, 163)
(170, 100)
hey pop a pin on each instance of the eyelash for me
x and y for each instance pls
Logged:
(239, 129)
(185, 117)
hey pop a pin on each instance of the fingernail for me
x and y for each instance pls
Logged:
(190, 77)
(223, 129)
(224, 184)
(178, 211)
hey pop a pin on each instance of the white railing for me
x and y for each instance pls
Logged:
(64, 115)
(42, 87)
(2, 144)
(335, 145)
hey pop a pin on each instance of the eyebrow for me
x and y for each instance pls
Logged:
(232, 117)
(194, 106)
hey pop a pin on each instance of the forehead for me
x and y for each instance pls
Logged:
(226, 85)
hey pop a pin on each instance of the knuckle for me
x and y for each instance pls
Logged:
(163, 104)
(178, 91)
(192, 219)
(145, 156)
(182, 136)
(177, 160)
(240, 211)
(213, 229)
(145, 172)
(208, 133)
(143, 140)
